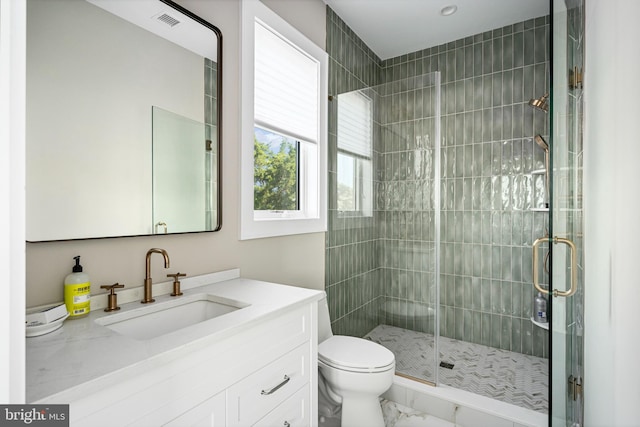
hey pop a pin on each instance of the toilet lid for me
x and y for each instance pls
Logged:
(353, 353)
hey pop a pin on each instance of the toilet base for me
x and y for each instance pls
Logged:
(329, 404)
(329, 421)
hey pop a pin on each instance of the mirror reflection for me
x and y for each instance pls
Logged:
(96, 166)
(183, 159)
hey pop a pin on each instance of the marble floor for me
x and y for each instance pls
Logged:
(395, 415)
(503, 375)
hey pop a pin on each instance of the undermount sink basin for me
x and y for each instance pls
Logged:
(158, 319)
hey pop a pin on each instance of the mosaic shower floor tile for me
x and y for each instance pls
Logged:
(503, 375)
(396, 415)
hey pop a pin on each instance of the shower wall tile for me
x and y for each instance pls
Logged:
(382, 269)
(488, 189)
(210, 120)
(407, 216)
(352, 251)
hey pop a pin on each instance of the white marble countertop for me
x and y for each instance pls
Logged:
(84, 356)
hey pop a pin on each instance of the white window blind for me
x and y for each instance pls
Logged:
(286, 86)
(284, 79)
(355, 123)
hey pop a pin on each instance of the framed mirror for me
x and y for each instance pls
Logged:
(123, 120)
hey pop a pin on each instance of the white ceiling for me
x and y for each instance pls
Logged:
(395, 27)
(144, 13)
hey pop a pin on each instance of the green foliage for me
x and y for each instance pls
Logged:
(346, 197)
(275, 176)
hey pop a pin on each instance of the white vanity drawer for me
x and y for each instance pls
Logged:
(259, 393)
(210, 413)
(293, 412)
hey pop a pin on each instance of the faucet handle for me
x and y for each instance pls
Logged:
(112, 287)
(176, 283)
(112, 298)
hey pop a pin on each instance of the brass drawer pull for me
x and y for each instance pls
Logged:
(276, 388)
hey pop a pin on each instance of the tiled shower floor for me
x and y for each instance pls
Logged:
(503, 375)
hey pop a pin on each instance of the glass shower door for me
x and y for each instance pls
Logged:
(407, 211)
(565, 222)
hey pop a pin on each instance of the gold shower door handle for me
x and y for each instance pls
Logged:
(574, 266)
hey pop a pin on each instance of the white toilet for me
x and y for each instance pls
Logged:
(352, 374)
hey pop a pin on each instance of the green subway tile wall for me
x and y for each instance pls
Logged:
(211, 134)
(382, 269)
(352, 273)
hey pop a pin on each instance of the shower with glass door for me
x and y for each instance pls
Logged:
(435, 261)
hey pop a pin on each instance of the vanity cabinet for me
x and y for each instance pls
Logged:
(257, 395)
(291, 412)
(210, 413)
(262, 374)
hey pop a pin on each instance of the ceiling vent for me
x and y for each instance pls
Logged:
(167, 19)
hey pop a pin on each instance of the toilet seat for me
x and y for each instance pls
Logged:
(355, 354)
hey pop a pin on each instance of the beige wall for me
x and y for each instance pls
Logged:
(308, 16)
(296, 260)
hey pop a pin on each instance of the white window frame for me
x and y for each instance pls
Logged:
(312, 216)
(359, 151)
(362, 185)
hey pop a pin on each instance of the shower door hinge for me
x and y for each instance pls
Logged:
(575, 78)
(574, 387)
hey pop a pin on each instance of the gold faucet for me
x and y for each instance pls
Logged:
(148, 297)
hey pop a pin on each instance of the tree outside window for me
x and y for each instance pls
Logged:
(275, 172)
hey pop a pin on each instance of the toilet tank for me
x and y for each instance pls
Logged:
(324, 321)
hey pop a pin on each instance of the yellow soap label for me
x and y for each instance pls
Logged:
(77, 298)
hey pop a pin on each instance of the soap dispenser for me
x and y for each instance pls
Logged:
(77, 292)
